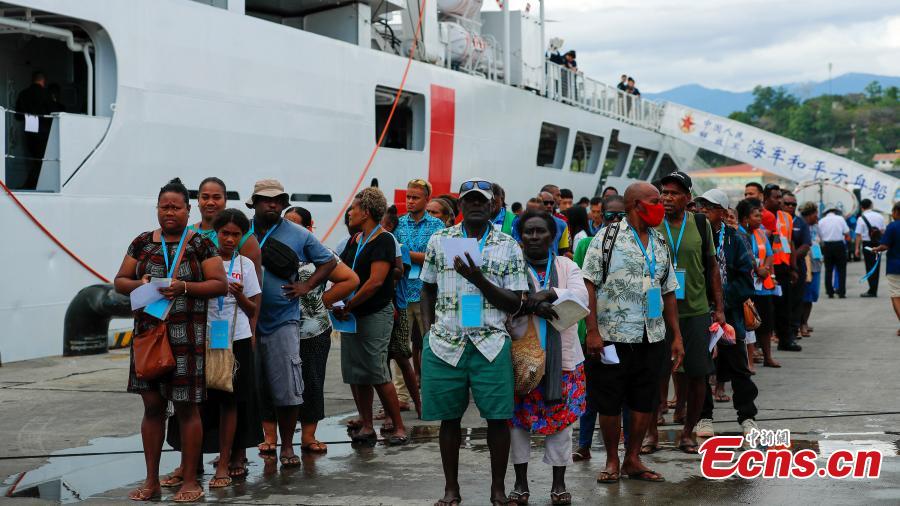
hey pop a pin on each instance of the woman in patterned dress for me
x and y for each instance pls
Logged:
(199, 277)
(550, 412)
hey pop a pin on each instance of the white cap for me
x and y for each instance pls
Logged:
(717, 197)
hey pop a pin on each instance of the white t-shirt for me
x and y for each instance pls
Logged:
(578, 237)
(243, 272)
(875, 219)
(832, 228)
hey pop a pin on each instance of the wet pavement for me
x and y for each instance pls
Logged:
(68, 433)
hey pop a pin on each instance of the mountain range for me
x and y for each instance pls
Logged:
(723, 102)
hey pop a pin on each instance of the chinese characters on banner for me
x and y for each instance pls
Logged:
(786, 158)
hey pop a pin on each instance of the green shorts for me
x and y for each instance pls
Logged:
(445, 388)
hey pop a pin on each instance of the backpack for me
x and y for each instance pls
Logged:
(609, 240)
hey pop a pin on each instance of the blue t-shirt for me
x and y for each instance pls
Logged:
(560, 228)
(891, 239)
(415, 235)
(278, 310)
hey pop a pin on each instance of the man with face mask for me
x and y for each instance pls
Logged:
(631, 292)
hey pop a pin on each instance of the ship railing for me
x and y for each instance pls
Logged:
(574, 88)
(68, 139)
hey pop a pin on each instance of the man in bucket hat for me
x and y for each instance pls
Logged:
(284, 246)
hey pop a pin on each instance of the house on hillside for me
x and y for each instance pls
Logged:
(886, 161)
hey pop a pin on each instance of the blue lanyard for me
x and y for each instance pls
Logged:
(649, 259)
(171, 268)
(363, 245)
(545, 284)
(721, 240)
(676, 245)
(483, 239)
(501, 217)
(266, 237)
(227, 279)
(742, 229)
(247, 236)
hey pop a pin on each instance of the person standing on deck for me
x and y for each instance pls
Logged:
(465, 308)
(869, 229)
(414, 229)
(278, 325)
(689, 239)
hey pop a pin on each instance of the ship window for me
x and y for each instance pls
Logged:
(586, 153)
(641, 163)
(407, 128)
(616, 154)
(552, 146)
(310, 197)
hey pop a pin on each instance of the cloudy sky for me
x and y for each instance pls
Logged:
(729, 44)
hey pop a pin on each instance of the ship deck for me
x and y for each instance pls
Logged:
(838, 393)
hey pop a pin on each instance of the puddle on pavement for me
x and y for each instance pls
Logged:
(108, 464)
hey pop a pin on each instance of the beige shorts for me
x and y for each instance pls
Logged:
(894, 283)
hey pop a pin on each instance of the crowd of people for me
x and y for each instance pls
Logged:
(658, 272)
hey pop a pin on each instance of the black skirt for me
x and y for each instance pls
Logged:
(248, 433)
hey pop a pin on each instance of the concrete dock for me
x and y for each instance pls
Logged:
(69, 432)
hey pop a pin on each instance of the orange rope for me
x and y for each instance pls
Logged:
(50, 235)
(412, 51)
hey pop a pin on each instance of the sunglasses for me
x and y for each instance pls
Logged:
(789, 204)
(481, 185)
(549, 202)
(613, 215)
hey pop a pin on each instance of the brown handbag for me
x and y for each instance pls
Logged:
(153, 357)
(752, 320)
(528, 360)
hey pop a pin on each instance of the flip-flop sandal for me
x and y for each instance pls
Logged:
(690, 449)
(145, 494)
(354, 425)
(314, 447)
(194, 496)
(237, 472)
(219, 482)
(519, 497)
(172, 480)
(646, 475)
(387, 428)
(723, 398)
(649, 449)
(292, 461)
(453, 502)
(581, 454)
(607, 477)
(267, 447)
(560, 498)
(397, 440)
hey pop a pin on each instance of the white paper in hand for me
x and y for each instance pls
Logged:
(570, 312)
(32, 124)
(609, 355)
(144, 295)
(714, 338)
(458, 247)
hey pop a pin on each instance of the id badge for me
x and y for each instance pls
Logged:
(654, 302)
(785, 244)
(218, 335)
(347, 326)
(680, 276)
(470, 315)
(816, 252)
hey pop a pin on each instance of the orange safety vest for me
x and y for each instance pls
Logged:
(768, 282)
(784, 227)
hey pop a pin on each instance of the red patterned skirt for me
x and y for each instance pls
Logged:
(533, 415)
